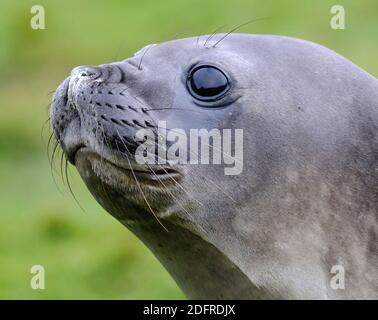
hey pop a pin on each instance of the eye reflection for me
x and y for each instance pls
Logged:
(207, 83)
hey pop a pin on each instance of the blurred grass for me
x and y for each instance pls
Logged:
(90, 255)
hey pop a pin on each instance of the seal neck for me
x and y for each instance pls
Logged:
(198, 267)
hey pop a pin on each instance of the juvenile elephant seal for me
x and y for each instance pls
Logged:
(306, 200)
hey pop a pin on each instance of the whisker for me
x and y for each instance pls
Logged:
(44, 126)
(49, 144)
(70, 188)
(236, 28)
(54, 153)
(124, 90)
(61, 166)
(142, 57)
(172, 195)
(180, 186)
(138, 184)
(50, 159)
(102, 151)
(160, 109)
(213, 34)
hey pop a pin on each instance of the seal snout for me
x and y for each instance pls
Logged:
(94, 108)
(111, 73)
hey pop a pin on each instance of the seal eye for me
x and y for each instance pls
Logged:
(207, 83)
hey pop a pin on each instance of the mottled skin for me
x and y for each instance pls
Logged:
(306, 199)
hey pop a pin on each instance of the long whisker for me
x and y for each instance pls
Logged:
(51, 138)
(171, 194)
(102, 151)
(142, 57)
(180, 186)
(70, 188)
(182, 109)
(63, 164)
(137, 182)
(236, 28)
(44, 126)
(213, 34)
(61, 167)
(53, 154)
(51, 159)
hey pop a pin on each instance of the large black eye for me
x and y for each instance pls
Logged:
(207, 83)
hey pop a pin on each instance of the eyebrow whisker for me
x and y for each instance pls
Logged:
(144, 53)
(236, 28)
(213, 34)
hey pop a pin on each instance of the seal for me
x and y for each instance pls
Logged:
(299, 222)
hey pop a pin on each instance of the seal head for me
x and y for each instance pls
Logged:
(305, 197)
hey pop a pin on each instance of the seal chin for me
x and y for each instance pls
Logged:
(127, 171)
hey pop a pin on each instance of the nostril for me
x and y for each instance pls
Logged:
(87, 72)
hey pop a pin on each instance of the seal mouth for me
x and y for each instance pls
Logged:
(153, 174)
(73, 151)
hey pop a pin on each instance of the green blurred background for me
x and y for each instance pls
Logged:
(88, 254)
